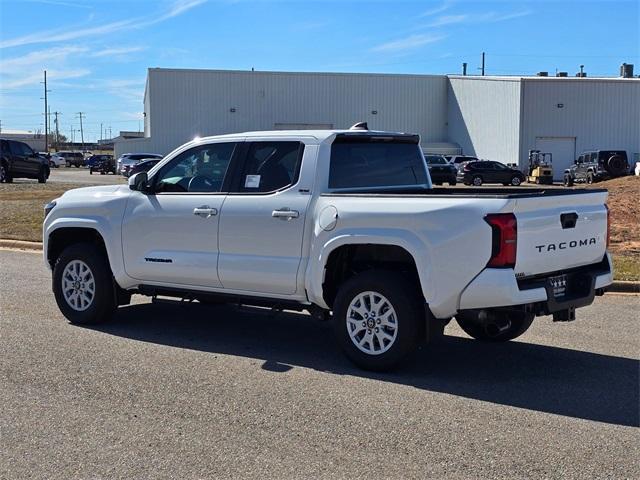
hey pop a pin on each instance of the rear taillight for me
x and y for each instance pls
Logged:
(608, 223)
(466, 168)
(504, 241)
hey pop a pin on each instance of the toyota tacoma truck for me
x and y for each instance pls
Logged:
(342, 223)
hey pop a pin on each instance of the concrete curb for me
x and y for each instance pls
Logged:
(616, 286)
(20, 244)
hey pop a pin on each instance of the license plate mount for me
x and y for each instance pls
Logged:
(559, 285)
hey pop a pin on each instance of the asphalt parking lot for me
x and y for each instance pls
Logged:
(191, 391)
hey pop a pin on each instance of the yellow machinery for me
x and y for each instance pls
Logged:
(540, 167)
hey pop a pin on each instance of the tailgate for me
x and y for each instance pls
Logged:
(560, 232)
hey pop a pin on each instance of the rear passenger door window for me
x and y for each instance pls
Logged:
(270, 166)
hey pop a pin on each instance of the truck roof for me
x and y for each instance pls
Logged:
(319, 135)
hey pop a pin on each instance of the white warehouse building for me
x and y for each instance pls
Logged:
(497, 118)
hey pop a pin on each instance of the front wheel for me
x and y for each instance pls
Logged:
(452, 183)
(568, 181)
(42, 175)
(378, 319)
(83, 285)
(590, 178)
(497, 329)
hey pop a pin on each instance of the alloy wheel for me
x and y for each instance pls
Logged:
(78, 285)
(372, 323)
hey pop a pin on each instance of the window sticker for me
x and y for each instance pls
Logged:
(252, 181)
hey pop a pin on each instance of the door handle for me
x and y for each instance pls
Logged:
(205, 211)
(285, 214)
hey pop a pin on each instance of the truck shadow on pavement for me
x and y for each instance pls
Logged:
(555, 380)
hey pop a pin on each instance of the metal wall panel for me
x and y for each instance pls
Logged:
(599, 113)
(183, 104)
(484, 117)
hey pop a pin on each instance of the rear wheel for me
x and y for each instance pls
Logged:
(4, 172)
(503, 328)
(516, 181)
(477, 181)
(452, 183)
(378, 319)
(83, 285)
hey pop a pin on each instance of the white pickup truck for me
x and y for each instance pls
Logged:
(342, 223)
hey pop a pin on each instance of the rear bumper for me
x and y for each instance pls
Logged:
(499, 288)
(438, 177)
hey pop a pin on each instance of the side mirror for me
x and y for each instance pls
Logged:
(139, 182)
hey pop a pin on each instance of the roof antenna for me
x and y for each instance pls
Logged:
(360, 126)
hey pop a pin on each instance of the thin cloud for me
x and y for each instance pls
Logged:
(114, 52)
(71, 33)
(61, 3)
(489, 17)
(408, 43)
(435, 10)
(40, 58)
(35, 78)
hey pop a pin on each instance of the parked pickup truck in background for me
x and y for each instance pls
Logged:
(342, 223)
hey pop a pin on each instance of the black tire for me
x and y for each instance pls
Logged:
(4, 172)
(405, 299)
(90, 171)
(476, 181)
(516, 181)
(590, 178)
(468, 321)
(102, 172)
(42, 175)
(452, 184)
(68, 165)
(103, 302)
(568, 181)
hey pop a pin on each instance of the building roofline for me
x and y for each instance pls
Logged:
(277, 73)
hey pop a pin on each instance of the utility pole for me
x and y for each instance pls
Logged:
(0, 126)
(101, 131)
(73, 138)
(110, 137)
(57, 131)
(46, 111)
(80, 114)
(464, 68)
(482, 68)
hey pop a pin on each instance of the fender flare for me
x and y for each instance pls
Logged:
(419, 251)
(102, 228)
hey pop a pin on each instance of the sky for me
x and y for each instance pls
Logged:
(97, 53)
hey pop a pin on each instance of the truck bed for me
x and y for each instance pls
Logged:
(481, 192)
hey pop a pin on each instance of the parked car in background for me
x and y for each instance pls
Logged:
(53, 160)
(72, 158)
(486, 171)
(144, 166)
(105, 165)
(95, 159)
(597, 165)
(440, 170)
(459, 160)
(131, 158)
(126, 170)
(18, 160)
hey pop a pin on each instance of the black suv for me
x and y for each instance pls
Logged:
(440, 170)
(485, 171)
(18, 160)
(597, 165)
